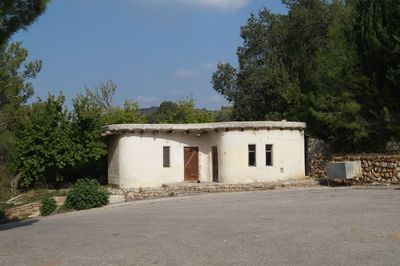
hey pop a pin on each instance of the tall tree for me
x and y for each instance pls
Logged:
(377, 35)
(260, 88)
(307, 27)
(15, 89)
(44, 146)
(18, 14)
(56, 145)
(180, 112)
(331, 63)
(187, 113)
(92, 110)
(335, 112)
(164, 113)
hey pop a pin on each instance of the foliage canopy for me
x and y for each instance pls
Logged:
(334, 64)
(18, 14)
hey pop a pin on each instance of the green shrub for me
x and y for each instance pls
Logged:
(86, 194)
(48, 206)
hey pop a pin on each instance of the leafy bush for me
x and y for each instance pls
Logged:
(54, 145)
(48, 206)
(44, 145)
(86, 194)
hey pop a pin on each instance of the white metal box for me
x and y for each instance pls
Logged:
(344, 170)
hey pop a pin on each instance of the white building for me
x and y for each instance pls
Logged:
(149, 155)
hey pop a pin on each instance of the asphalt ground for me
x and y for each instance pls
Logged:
(307, 226)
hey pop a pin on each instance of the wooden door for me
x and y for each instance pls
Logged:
(191, 160)
(215, 164)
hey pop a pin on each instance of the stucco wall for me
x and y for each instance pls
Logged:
(113, 159)
(137, 158)
(287, 156)
(141, 158)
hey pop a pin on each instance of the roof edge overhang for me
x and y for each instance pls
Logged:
(117, 129)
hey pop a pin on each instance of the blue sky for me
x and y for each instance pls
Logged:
(154, 50)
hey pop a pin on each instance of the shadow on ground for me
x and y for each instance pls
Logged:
(15, 224)
(333, 183)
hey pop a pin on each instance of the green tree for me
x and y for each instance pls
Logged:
(180, 112)
(335, 110)
(54, 145)
(333, 64)
(307, 25)
(91, 111)
(261, 87)
(14, 85)
(377, 35)
(15, 89)
(18, 14)
(44, 145)
(224, 114)
(187, 113)
(128, 113)
(164, 113)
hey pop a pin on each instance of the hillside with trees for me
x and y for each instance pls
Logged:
(333, 64)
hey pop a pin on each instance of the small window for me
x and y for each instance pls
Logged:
(252, 155)
(166, 161)
(268, 155)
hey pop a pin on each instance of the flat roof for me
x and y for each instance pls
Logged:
(226, 126)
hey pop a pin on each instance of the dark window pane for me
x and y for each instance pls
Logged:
(166, 162)
(252, 155)
(268, 155)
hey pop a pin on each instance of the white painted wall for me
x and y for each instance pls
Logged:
(141, 158)
(136, 160)
(113, 159)
(287, 156)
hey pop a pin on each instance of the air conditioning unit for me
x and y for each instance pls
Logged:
(344, 170)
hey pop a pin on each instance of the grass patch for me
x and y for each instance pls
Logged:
(63, 209)
(31, 196)
(34, 195)
(39, 195)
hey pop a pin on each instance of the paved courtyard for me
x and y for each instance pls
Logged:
(311, 226)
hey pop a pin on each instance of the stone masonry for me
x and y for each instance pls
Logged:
(318, 155)
(376, 168)
(169, 190)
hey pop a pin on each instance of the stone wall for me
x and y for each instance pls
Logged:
(318, 154)
(376, 168)
(190, 188)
